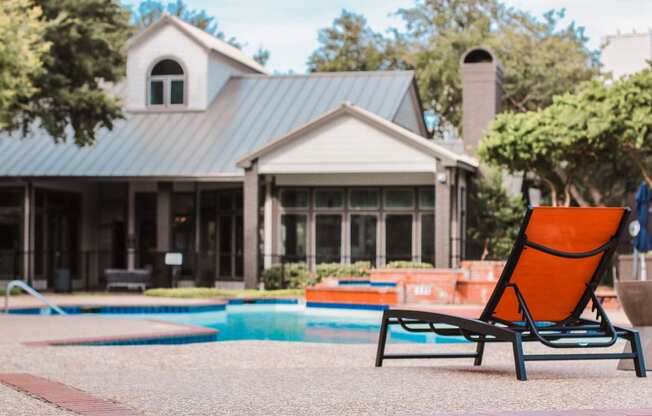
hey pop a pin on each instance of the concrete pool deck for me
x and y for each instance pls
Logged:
(279, 378)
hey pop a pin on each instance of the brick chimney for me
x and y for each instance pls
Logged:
(482, 89)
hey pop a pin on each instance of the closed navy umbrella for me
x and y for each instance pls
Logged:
(643, 240)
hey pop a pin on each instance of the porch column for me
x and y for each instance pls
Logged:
(131, 227)
(250, 219)
(269, 223)
(28, 246)
(164, 214)
(442, 218)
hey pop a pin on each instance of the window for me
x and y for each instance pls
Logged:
(398, 237)
(363, 238)
(427, 198)
(364, 198)
(399, 198)
(328, 238)
(329, 198)
(294, 198)
(166, 84)
(428, 238)
(294, 234)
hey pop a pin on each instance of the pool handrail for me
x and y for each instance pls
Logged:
(31, 291)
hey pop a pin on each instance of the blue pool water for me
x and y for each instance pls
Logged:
(288, 322)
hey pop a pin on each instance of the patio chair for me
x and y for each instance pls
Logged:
(550, 277)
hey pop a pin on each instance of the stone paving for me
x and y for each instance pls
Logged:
(277, 378)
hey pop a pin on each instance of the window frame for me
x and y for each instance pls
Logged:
(167, 85)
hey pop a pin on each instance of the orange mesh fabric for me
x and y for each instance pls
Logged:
(553, 286)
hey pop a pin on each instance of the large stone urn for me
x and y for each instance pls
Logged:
(636, 298)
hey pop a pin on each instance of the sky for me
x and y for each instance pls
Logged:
(288, 28)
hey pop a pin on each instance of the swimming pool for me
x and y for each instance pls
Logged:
(294, 322)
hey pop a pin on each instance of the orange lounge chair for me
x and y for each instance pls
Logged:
(549, 279)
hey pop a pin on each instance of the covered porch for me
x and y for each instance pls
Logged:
(75, 230)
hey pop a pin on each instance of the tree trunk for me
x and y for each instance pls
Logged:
(552, 189)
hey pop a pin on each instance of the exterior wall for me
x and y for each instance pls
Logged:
(626, 54)
(168, 42)
(408, 114)
(346, 145)
(220, 69)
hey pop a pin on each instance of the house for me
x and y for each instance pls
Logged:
(239, 170)
(626, 53)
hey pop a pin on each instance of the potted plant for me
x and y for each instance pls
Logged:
(636, 294)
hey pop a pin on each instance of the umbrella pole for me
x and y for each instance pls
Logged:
(635, 265)
(643, 267)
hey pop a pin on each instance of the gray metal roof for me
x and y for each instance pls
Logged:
(249, 112)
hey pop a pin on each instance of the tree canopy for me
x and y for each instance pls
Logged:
(61, 88)
(590, 146)
(21, 53)
(540, 59)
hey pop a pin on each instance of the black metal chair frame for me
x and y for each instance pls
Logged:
(572, 332)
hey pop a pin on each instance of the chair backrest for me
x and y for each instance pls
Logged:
(559, 252)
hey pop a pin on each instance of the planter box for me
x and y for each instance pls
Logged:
(352, 295)
(474, 291)
(482, 269)
(626, 264)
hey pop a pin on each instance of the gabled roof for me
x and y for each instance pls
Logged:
(203, 38)
(448, 157)
(249, 112)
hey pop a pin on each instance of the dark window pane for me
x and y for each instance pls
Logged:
(428, 238)
(239, 246)
(427, 198)
(226, 239)
(363, 238)
(329, 198)
(398, 237)
(293, 234)
(156, 93)
(294, 198)
(176, 92)
(364, 198)
(226, 201)
(328, 238)
(399, 198)
(167, 67)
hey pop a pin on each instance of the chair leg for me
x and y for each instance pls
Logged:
(639, 360)
(382, 339)
(519, 360)
(479, 350)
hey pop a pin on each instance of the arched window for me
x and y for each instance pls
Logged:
(166, 84)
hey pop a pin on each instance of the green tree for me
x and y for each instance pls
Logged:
(586, 146)
(91, 35)
(540, 59)
(496, 217)
(349, 45)
(627, 121)
(85, 41)
(21, 52)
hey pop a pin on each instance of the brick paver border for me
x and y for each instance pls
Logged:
(63, 396)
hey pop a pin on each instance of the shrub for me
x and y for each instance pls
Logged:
(357, 269)
(288, 276)
(407, 265)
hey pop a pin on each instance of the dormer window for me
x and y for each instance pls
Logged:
(166, 84)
